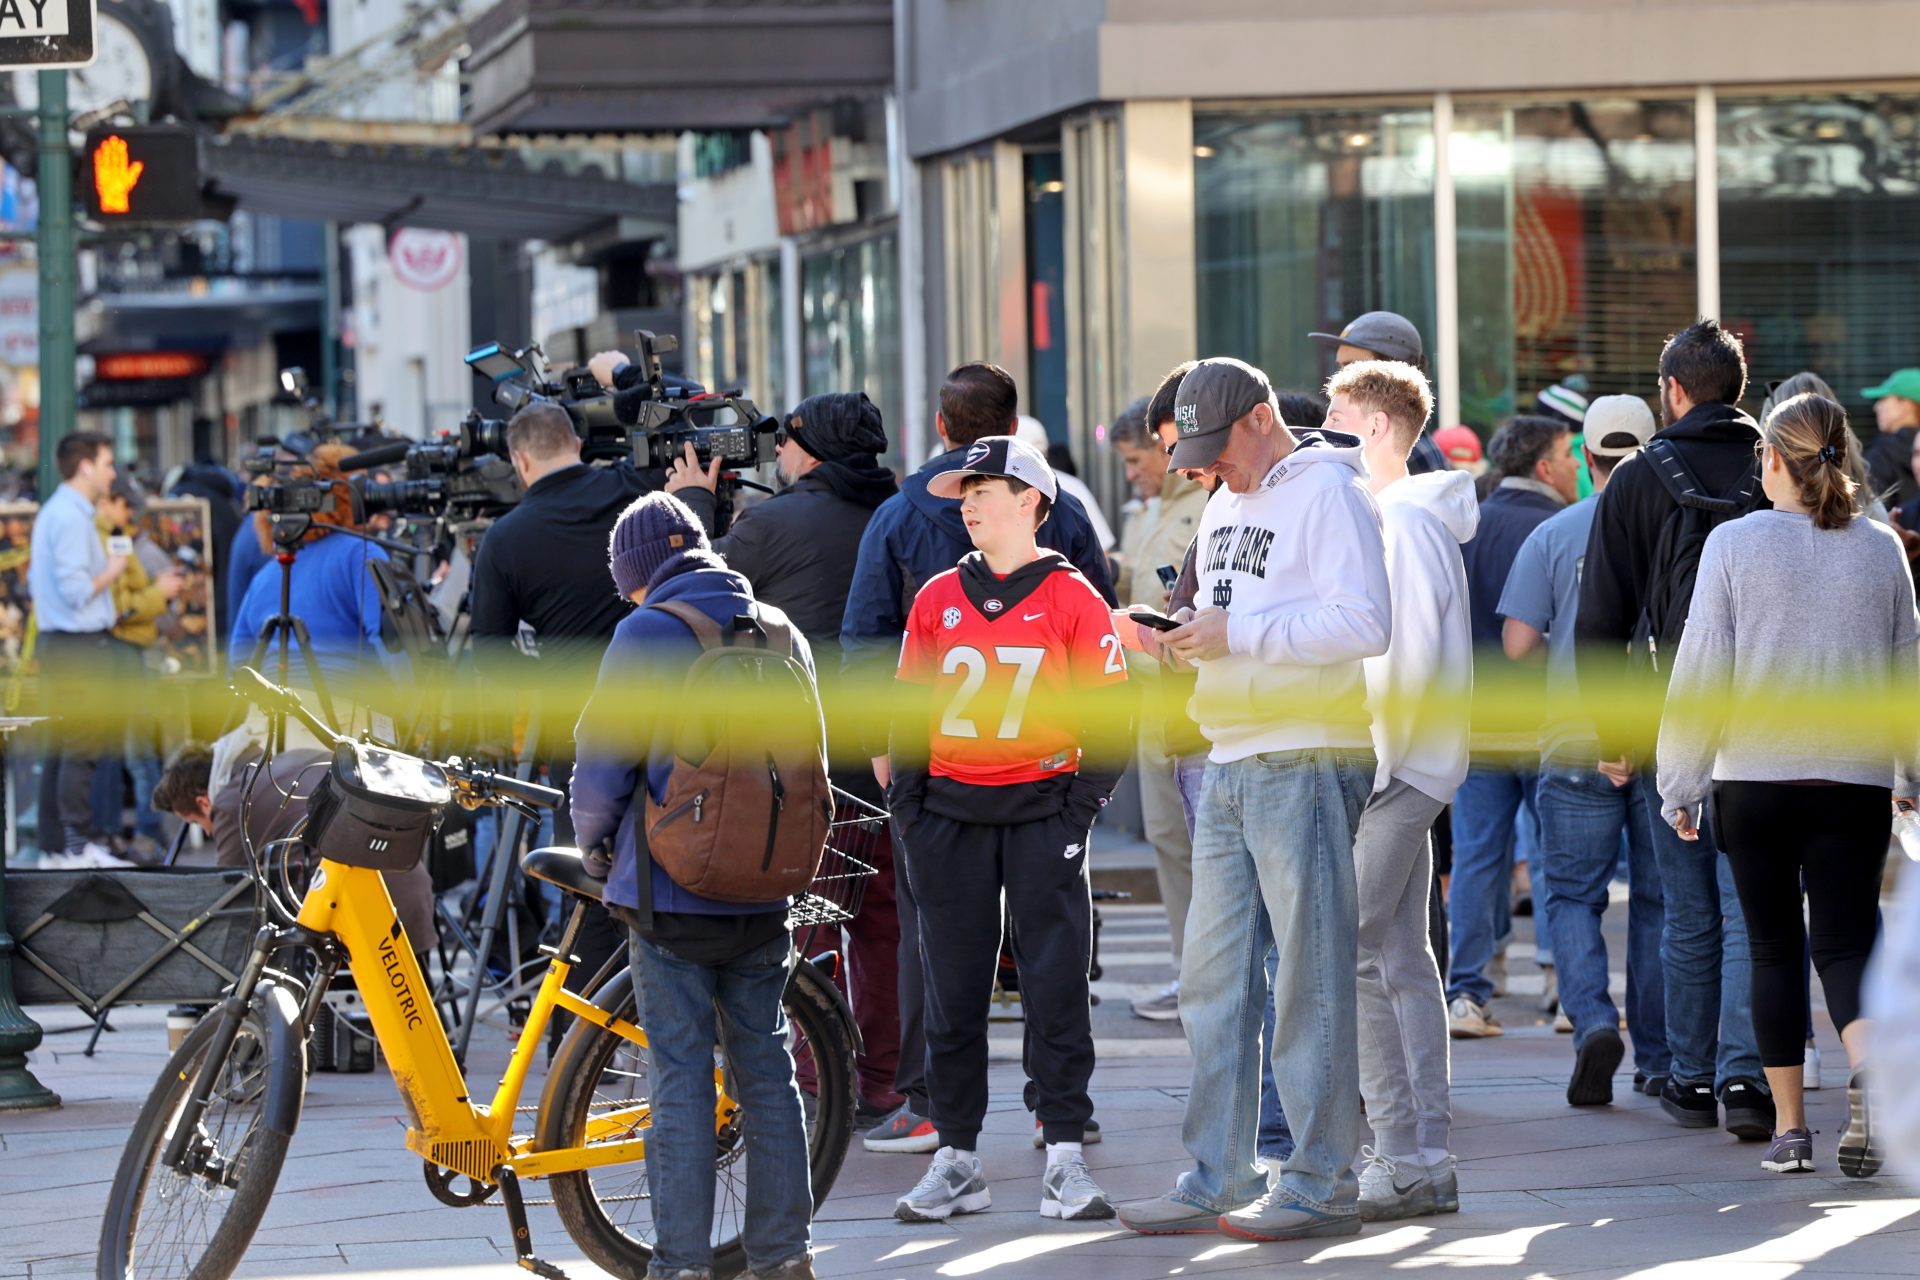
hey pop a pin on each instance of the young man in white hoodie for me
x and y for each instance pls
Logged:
(1293, 577)
(1418, 691)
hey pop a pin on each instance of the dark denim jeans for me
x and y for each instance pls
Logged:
(1479, 890)
(1703, 955)
(1582, 819)
(688, 1008)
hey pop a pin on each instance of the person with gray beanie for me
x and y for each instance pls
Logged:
(706, 972)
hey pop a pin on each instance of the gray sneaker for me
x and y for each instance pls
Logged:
(1789, 1152)
(951, 1186)
(1391, 1188)
(1859, 1145)
(903, 1131)
(1280, 1215)
(1169, 1215)
(1069, 1191)
(1162, 1006)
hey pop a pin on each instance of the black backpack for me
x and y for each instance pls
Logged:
(1676, 553)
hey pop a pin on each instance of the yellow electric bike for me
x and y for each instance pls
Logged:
(201, 1162)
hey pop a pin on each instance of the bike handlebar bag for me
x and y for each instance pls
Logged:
(376, 808)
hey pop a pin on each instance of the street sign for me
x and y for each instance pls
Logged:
(142, 173)
(47, 34)
(423, 259)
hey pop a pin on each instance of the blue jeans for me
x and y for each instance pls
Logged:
(1703, 955)
(687, 1009)
(1582, 818)
(1276, 1140)
(1483, 839)
(1273, 868)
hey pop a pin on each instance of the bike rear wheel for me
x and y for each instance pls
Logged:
(195, 1222)
(609, 1211)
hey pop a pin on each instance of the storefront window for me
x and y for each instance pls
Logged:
(1576, 246)
(1305, 219)
(1820, 238)
(850, 311)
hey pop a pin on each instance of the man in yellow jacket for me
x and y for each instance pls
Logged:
(140, 599)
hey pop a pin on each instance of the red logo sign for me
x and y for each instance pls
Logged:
(425, 260)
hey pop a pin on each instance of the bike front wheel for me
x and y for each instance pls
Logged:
(194, 1221)
(608, 1211)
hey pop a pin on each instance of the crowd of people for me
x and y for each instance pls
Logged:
(1383, 690)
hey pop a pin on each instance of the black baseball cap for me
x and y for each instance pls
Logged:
(1387, 334)
(1215, 394)
(998, 456)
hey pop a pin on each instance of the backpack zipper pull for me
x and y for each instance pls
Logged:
(699, 803)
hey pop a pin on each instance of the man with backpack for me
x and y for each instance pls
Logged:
(679, 785)
(1651, 522)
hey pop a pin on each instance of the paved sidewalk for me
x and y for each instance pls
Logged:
(1546, 1190)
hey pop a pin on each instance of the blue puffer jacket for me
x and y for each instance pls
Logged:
(633, 703)
(914, 537)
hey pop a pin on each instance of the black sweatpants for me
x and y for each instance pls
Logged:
(1835, 836)
(79, 669)
(1012, 841)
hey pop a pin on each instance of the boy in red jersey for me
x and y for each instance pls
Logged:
(995, 789)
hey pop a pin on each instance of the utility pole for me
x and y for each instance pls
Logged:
(19, 1090)
(56, 257)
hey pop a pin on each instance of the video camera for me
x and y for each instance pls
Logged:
(462, 474)
(648, 417)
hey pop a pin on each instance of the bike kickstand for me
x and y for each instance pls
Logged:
(523, 1234)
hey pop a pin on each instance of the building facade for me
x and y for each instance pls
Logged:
(1547, 188)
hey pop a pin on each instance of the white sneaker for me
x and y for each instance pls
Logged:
(90, 857)
(1399, 1188)
(1163, 1007)
(951, 1186)
(1069, 1191)
(1467, 1019)
(101, 857)
(1810, 1072)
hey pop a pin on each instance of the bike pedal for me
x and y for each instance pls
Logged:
(540, 1268)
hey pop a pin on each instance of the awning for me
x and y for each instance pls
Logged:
(233, 312)
(485, 192)
(565, 66)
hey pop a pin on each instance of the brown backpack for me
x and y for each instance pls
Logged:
(745, 816)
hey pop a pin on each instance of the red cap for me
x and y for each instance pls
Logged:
(1460, 444)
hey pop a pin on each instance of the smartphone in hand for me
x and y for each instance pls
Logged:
(1157, 621)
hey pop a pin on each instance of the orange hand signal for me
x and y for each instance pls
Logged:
(113, 178)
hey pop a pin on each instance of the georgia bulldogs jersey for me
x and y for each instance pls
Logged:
(1004, 657)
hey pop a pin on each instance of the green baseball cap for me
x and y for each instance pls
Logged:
(1904, 383)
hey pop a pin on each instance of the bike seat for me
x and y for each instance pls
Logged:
(564, 869)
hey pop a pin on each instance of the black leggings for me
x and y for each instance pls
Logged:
(1835, 836)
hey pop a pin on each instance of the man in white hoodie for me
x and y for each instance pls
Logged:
(1418, 691)
(1293, 574)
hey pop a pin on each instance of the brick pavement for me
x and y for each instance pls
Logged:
(1546, 1190)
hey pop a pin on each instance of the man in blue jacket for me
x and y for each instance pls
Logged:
(912, 538)
(705, 972)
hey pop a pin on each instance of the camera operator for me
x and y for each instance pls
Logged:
(332, 592)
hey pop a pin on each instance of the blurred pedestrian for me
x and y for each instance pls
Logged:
(71, 574)
(1383, 335)
(140, 600)
(1034, 432)
(1635, 590)
(1896, 411)
(1799, 614)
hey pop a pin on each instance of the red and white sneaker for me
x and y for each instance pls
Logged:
(904, 1131)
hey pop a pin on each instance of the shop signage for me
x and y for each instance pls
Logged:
(812, 186)
(141, 393)
(425, 260)
(132, 366)
(47, 33)
(19, 317)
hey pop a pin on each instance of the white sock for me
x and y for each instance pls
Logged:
(1058, 1151)
(1432, 1157)
(1409, 1158)
(955, 1153)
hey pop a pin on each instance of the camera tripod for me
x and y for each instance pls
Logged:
(285, 630)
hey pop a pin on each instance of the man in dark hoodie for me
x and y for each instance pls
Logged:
(208, 479)
(1703, 948)
(798, 550)
(705, 972)
(913, 538)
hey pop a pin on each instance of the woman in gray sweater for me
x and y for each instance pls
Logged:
(1802, 627)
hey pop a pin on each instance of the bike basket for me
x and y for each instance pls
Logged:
(376, 808)
(856, 840)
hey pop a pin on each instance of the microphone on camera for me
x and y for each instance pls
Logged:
(380, 456)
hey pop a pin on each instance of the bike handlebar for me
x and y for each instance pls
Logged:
(483, 783)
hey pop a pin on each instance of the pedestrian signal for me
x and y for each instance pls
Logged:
(142, 173)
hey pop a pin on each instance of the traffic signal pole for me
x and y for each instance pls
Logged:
(19, 1034)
